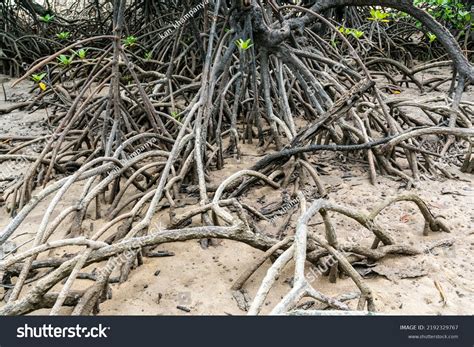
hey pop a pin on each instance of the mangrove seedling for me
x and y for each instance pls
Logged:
(47, 18)
(175, 115)
(82, 53)
(244, 45)
(379, 16)
(64, 35)
(148, 55)
(38, 77)
(130, 41)
(354, 32)
(64, 60)
(432, 37)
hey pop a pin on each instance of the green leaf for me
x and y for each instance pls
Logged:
(244, 45)
(431, 36)
(378, 16)
(82, 53)
(47, 18)
(357, 33)
(148, 55)
(63, 35)
(64, 60)
(130, 41)
(38, 77)
(175, 115)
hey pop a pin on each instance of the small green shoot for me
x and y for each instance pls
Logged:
(354, 32)
(64, 35)
(38, 77)
(432, 37)
(357, 33)
(148, 55)
(64, 60)
(130, 41)
(175, 115)
(81, 54)
(244, 45)
(379, 16)
(47, 18)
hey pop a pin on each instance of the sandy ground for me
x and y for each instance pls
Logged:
(200, 279)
